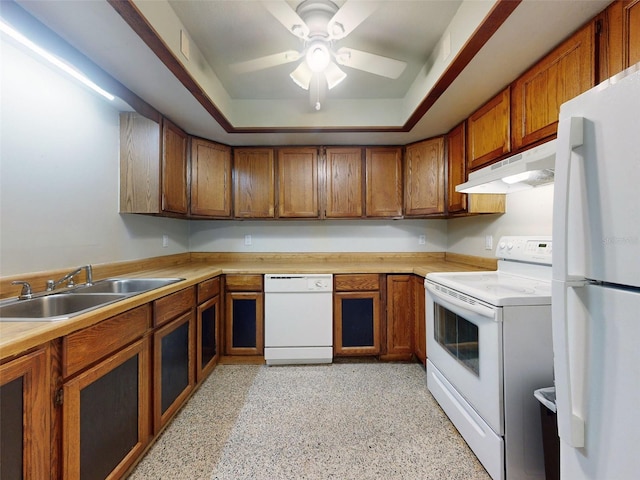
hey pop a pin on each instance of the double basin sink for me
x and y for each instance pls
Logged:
(78, 300)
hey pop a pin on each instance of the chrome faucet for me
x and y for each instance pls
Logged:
(51, 285)
(26, 293)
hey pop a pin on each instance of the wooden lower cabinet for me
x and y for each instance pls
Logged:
(174, 367)
(400, 318)
(244, 315)
(244, 323)
(207, 328)
(106, 415)
(25, 417)
(356, 315)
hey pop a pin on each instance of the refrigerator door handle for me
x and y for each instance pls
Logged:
(566, 145)
(569, 323)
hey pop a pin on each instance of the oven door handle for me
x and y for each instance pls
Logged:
(473, 307)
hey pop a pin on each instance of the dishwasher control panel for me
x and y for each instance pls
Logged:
(280, 282)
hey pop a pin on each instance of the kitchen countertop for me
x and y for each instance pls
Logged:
(18, 337)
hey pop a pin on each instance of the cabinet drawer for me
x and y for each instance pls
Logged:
(353, 283)
(208, 289)
(244, 283)
(173, 305)
(89, 345)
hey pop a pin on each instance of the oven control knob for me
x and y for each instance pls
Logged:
(502, 245)
(510, 245)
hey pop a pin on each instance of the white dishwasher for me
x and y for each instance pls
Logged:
(298, 318)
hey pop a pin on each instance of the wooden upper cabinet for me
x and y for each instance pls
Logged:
(456, 166)
(424, 178)
(298, 183)
(253, 183)
(139, 164)
(174, 169)
(488, 131)
(618, 38)
(384, 182)
(536, 96)
(343, 183)
(210, 179)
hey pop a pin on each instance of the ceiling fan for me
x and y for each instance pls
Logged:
(319, 23)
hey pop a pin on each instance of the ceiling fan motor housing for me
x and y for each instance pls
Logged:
(317, 14)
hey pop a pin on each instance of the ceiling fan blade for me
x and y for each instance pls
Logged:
(302, 75)
(265, 62)
(287, 17)
(334, 75)
(370, 62)
(350, 15)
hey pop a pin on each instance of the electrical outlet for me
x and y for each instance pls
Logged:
(422, 239)
(488, 242)
(165, 241)
(247, 239)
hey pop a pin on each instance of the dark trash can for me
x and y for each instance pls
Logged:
(550, 439)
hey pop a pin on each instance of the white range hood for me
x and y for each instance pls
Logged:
(528, 169)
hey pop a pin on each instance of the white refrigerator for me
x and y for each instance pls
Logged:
(596, 281)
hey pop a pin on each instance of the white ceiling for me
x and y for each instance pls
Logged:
(363, 109)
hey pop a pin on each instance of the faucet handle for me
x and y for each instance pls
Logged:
(25, 293)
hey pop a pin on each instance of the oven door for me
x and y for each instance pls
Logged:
(464, 342)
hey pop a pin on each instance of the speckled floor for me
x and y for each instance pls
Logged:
(338, 421)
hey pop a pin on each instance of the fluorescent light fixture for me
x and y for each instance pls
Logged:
(528, 169)
(6, 28)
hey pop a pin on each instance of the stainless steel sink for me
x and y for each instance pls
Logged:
(58, 306)
(81, 299)
(127, 286)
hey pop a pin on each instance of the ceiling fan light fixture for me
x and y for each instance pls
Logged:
(301, 76)
(318, 57)
(334, 75)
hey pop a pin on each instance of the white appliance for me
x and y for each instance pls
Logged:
(596, 281)
(531, 168)
(489, 347)
(298, 318)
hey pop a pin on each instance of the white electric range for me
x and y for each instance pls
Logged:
(489, 347)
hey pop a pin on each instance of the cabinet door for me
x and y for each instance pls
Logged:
(174, 169)
(174, 367)
(356, 323)
(253, 184)
(384, 182)
(537, 95)
(207, 335)
(343, 183)
(424, 178)
(210, 179)
(618, 38)
(420, 332)
(400, 317)
(139, 164)
(488, 131)
(25, 417)
(298, 183)
(456, 141)
(244, 323)
(105, 415)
